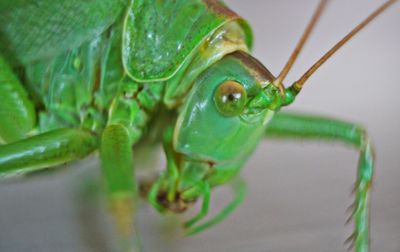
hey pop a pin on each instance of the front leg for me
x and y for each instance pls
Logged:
(289, 125)
(178, 188)
(238, 187)
(119, 178)
(45, 150)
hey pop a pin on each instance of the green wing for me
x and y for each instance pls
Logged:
(160, 35)
(35, 29)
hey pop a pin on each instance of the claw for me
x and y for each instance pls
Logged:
(350, 241)
(353, 189)
(351, 210)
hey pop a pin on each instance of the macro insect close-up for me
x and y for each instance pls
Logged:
(92, 91)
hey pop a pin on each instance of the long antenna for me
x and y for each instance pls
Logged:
(299, 84)
(317, 14)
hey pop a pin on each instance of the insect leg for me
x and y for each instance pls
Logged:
(172, 168)
(206, 192)
(117, 168)
(153, 194)
(168, 178)
(17, 113)
(290, 125)
(239, 189)
(45, 150)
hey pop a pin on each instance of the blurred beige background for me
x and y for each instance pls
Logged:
(298, 191)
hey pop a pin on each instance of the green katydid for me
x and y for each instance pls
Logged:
(102, 86)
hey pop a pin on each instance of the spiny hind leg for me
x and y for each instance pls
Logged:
(300, 126)
(17, 112)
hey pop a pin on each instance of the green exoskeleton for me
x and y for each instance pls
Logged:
(78, 77)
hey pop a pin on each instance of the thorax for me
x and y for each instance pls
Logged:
(84, 86)
(88, 86)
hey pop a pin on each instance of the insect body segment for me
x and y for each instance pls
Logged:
(15, 126)
(160, 37)
(32, 31)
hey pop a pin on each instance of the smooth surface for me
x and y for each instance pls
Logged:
(298, 191)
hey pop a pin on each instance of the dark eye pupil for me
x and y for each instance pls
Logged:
(231, 92)
(234, 96)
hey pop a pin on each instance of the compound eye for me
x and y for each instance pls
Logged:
(230, 98)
